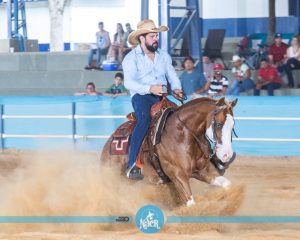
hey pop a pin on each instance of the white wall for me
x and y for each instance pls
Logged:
(241, 8)
(84, 19)
(82, 16)
(214, 9)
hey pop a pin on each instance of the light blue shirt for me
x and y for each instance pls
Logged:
(140, 72)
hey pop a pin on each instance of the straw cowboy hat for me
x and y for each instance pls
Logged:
(145, 26)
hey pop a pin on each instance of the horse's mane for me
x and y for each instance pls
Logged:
(202, 101)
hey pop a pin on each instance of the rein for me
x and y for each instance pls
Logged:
(212, 142)
(191, 132)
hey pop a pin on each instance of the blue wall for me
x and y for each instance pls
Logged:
(258, 130)
(238, 27)
(45, 47)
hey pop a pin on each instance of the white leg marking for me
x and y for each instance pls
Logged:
(221, 181)
(190, 202)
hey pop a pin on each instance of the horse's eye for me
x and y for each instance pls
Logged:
(219, 125)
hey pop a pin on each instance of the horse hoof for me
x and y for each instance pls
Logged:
(221, 182)
(190, 202)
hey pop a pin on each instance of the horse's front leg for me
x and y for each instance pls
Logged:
(183, 187)
(211, 176)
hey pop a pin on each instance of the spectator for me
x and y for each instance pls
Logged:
(117, 89)
(241, 73)
(217, 84)
(100, 48)
(90, 90)
(277, 51)
(268, 78)
(191, 79)
(207, 66)
(292, 61)
(117, 47)
(126, 34)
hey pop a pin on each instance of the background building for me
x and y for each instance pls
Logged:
(238, 17)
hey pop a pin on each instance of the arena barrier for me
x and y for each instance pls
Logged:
(264, 125)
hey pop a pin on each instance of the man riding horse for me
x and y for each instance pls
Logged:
(145, 70)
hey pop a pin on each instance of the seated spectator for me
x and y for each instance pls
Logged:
(277, 51)
(217, 84)
(292, 61)
(117, 47)
(268, 78)
(90, 90)
(117, 89)
(207, 67)
(191, 79)
(100, 48)
(241, 74)
(126, 47)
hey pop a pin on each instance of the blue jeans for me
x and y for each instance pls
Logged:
(291, 64)
(141, 105)
(99, 52)
(236, 87)
(269, 87)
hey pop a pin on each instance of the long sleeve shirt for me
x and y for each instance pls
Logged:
(140, 72)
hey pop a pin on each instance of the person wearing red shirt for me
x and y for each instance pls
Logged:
(268, 78)
(277, 51)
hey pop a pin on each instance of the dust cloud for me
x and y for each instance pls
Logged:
(73, 183)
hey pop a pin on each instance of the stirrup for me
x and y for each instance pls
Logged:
(134, 173)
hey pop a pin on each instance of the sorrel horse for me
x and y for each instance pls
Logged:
(195, 132)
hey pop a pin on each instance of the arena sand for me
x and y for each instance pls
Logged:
(74, 184)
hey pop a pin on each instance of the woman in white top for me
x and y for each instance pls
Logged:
(292, 60)
(116, 50)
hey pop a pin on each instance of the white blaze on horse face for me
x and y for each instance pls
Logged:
(224, 151)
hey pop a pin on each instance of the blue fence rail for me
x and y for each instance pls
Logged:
(265, 125)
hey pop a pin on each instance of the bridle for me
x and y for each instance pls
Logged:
(213, 142)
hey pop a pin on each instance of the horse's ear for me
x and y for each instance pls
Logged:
(221, 102)
(233, 103)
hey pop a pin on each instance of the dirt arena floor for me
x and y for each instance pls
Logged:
(71, 183)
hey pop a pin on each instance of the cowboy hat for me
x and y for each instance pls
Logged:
(145, 26)
(236, 58)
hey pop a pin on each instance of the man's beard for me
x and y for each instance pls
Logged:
(153, 47)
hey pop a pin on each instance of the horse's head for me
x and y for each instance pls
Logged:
(219, 129)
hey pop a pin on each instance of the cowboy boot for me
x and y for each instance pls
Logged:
(134, 173)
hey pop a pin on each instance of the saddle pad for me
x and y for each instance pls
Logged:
(119, 145)
(121, 139)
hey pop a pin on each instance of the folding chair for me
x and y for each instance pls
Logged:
(214, 43)
(253, 49)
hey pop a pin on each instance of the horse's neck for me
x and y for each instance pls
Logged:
(195, 116)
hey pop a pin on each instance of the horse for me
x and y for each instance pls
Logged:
(194, 134)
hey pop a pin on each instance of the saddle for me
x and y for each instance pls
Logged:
(121, 137)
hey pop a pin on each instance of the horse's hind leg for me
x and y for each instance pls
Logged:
(183, 187)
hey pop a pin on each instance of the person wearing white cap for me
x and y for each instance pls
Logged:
(242, 77)
(147, 70)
